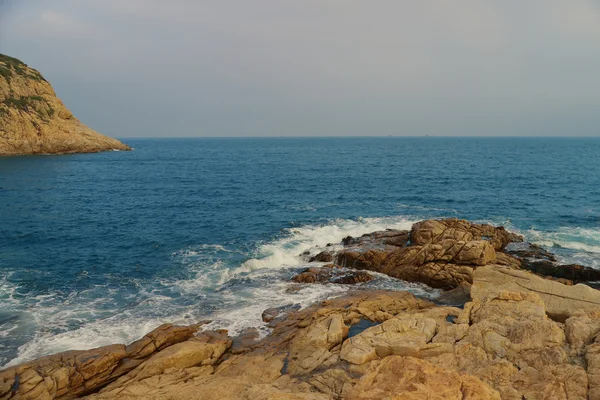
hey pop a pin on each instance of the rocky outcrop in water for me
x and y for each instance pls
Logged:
(34, 121)
(517, 336)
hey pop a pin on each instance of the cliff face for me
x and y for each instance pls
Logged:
(34, 121)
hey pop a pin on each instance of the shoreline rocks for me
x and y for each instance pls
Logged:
(514, 335)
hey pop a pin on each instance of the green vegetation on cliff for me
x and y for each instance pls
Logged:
(33, 120)
(10, 66)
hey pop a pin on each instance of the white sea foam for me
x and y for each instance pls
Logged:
(583, 239)
(285, 251)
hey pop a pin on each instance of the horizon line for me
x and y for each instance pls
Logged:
(365, 137)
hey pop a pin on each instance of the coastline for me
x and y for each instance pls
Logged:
(498, 331)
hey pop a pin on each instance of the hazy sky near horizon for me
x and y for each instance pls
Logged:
(154, 68)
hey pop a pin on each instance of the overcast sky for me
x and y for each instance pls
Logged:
(146, 68)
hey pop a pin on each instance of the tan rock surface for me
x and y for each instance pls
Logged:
(399, 378)
(34, 121)
(560, 301)
(73, 373)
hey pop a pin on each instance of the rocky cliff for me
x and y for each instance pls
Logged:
(34, 121)
(498, 332)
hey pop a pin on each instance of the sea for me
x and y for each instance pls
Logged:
(97, 249)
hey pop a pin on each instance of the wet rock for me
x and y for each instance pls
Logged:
(573, 272)
(332, 274)
(276, 313)
(379, 239)
(324, 256)
(243, 342)
(352, 278)
(530, 251)
(270, 314)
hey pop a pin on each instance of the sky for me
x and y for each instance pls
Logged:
(178, 68)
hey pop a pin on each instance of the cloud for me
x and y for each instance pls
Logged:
(56, 22)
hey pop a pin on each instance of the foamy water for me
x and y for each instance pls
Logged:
(233, 297)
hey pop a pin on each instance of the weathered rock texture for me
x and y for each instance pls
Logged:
(519, 336)
(442, 254)
(34, 121)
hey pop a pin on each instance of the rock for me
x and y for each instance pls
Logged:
(324, 256)
(572, 272)
(507, 260)
(202, 350)
(561, 301)
(581, 329)
(311, 347)
(440, 253)
(270, 314)
(457, 296)
(370, 260)
(245, 340)
(75, 373)
(436, 231)
(404, 336)
(332, 274)
(352, 278)
(276, 313)
(379, 239)
(407, 378)
(530, 251)
(34, 121)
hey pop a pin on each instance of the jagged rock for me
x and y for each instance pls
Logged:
(560, 301)
(33, 120)
(379, 239)
(74, 373)
(202, 350)
(332, 274)
(436, 231)
(442, 254)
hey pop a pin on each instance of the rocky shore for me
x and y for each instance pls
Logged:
(34, 121)
(512, 323)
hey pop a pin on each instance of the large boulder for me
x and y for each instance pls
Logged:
(75, 373)
(440, 253)
(435, 231)
(560, 301)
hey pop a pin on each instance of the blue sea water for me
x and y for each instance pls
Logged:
(101, 248)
